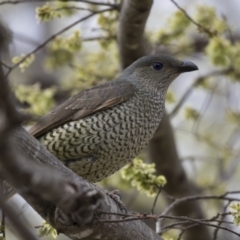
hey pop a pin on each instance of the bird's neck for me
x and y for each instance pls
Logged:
(153, 90)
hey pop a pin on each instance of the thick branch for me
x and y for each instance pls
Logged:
(133, 17)
(35, 151)
(54, 191)
(28, 166)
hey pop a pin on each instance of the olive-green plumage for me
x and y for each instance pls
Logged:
(99, 130)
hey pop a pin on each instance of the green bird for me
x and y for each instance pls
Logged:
(99, 130)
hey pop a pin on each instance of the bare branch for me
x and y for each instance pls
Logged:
(183, 219)
(222, 217)
(155, 200)
(44, 1)
(199, 197)
(55, 35)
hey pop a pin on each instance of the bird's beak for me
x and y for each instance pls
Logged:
(187, 66)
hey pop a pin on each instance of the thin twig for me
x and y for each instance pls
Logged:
(54, 36)
(204, 108)
(44, 1)
(206, 30)
(73, 8)
(194, 84)
(5, 65)
(222, 217)
(155, 200)
(186, 228)
(199, 197)
(29, 40)
(190, 220)
(88, 39)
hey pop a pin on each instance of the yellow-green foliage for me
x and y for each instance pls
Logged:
(219, 51)
(92, 69)
(235, 210)
(25, 63)
(170, 98)
(63, 50)
(142, 176)
(46, 13)
(223, 53)
(167, 238)
(66, 8)
(233, 117)
(57, 9)
(40, 101)
(191, 114)
(207, 17)
(108, 23)
(46, 229)
(204, 83)
(176, 26)
(178, 23)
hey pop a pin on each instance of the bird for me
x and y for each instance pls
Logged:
(99, 130)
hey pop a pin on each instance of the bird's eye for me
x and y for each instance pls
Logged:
(157, 66)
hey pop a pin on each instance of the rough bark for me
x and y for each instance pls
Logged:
(131, 41)
(21, 144)
(64, 199)
(162, 148)
(27, 146)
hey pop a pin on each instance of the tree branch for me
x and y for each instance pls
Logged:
(131, 43)
(30, 147)
(64, 199)
(200, 27)
(162, 148)
(40, 46)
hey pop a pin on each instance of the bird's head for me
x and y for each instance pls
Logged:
(158, 71)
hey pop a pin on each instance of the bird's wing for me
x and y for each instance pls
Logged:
(83, 104)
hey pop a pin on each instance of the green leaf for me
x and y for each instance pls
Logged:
(142, 176)
(46, 229)
(26, 63)
(235, 211)
(191, 114)
(40, 100)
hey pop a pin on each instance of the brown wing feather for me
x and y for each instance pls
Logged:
(83, 104)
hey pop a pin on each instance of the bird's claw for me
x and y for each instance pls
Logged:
(116, 196)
